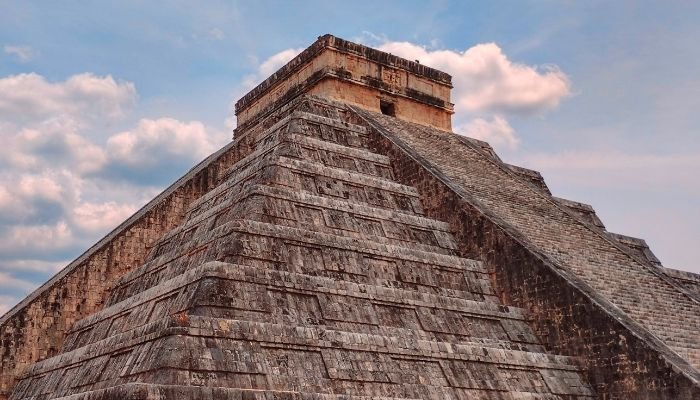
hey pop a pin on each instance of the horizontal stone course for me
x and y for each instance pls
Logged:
(190, 340)
(262, 281)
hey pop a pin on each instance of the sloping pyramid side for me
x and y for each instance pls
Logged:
(309, 273)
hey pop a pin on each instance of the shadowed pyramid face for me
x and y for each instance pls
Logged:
(308, 273)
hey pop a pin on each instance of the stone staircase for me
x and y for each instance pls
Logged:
(308, 273)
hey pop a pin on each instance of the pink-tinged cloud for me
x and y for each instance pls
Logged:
(495, 130)
(152, 140)
(28, 97)
(485, 80)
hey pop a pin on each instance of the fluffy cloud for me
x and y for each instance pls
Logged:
(30, 98)
(489, 88)
(155, 148)
(22, 54)
(496, 130)
(21, 238)
(100, 217)
(485, 80)
(39, 197)
(267, 68)
(152, 140)
(66, 178)
(57, 142)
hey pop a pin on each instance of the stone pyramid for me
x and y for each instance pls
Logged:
(346, 245)
(309, 272)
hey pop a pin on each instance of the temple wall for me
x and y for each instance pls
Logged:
(355, 79)
(369, 99)
(620, 361)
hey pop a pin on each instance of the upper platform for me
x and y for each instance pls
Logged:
(352, 73)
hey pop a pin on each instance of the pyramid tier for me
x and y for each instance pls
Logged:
(215, 352)
(224, 290)
(165, 392)
(304, 251)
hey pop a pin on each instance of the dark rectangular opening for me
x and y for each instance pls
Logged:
(387, 108)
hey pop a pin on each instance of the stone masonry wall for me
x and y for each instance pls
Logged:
(36, 328)
(621, 363)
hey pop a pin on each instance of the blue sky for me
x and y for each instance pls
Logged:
(104, 104)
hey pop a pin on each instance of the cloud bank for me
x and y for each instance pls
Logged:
(66, 178)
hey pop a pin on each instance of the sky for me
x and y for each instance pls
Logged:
(104, 104)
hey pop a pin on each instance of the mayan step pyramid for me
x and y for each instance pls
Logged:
(347, 245)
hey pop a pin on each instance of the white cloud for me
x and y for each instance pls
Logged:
(22, 54)
(267, 68)
(154, 140)
(30, 97)
(485, 80)
(34, 196)
(7, 281)
(278, 60)
(496, 131)
(58, 187)
(36, 238)
(31, 265)
(56, 142)
(100, 217)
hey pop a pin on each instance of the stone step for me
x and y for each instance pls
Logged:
(359, 210)
(280, 133)
(314, 149)
(175, 392)
(318, 169)
(283, 206)
(243, 292)
(304, 251)
(283, 357)
(329, 130)
(318, 180)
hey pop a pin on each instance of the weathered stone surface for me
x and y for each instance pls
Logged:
(308, 270)
(635, 328)
(332, 252)
(337, 69)
(686, 279)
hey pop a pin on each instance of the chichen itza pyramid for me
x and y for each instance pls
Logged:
(347, 245)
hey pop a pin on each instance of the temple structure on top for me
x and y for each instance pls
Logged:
(347, 72)
(347, 245)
